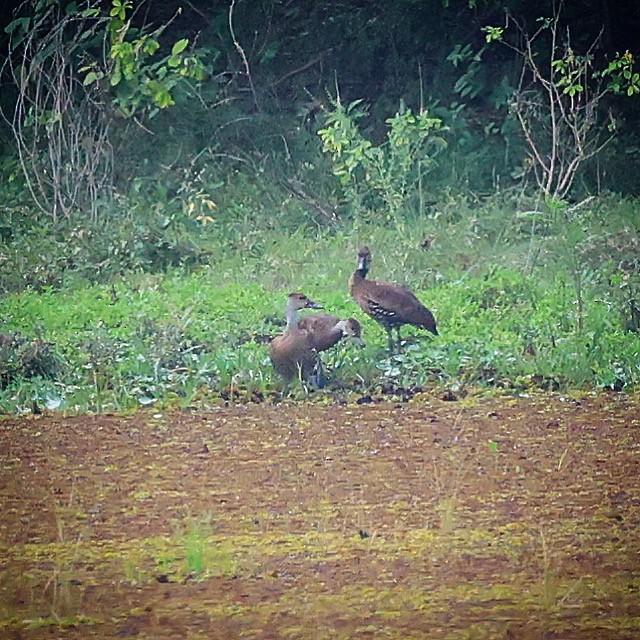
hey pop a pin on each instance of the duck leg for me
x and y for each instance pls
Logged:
(389, 331)
(399, 337)
(317, 377)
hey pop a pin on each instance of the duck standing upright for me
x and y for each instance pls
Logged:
(390, 305)
(293, 353)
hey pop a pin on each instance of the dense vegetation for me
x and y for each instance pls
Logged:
(170, 175)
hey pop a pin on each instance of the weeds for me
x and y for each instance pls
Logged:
(188, 553)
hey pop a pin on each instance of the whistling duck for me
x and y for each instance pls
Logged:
(292, 353)
(390, 305)
(326, 331)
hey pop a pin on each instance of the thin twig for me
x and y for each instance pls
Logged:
(240, 50)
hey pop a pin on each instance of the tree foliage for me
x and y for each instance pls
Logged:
(560, 100)
(109, 95)
(76, 69)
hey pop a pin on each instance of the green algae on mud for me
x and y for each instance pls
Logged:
(491, 518)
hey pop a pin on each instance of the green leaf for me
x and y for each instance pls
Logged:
(163, 99)
(90, 78)
(151, 46)
(16, 24)
(179, 46)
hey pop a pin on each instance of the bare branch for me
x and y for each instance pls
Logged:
(557, 104)
(61, 137)
(240, 50)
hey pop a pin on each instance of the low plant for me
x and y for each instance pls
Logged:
(74, 69)
(189, 553)
(387, 176)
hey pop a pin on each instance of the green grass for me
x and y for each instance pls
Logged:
(514, 310)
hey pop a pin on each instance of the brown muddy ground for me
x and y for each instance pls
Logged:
(494, 518)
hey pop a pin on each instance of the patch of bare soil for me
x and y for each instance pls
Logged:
(496, 518)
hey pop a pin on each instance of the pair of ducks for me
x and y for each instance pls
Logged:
(295, 352)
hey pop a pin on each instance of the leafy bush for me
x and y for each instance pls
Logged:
(26, 359)
(38, 253)
(387, 176)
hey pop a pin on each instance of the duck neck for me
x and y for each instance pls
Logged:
(363, 268)
(291, 315)
(339, 328)
(357, 277)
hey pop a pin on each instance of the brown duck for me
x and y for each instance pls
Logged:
(390, 305)
(326, 330)
(293, 353)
